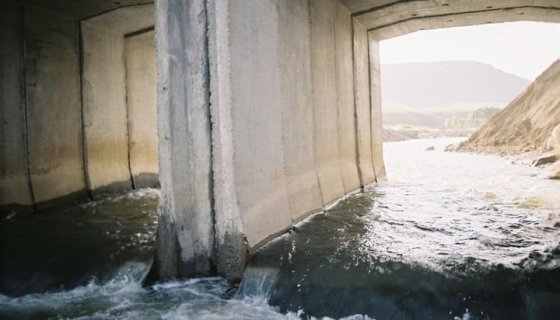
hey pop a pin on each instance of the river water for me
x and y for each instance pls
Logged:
(450, 236)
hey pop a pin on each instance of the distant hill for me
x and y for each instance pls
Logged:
(526, 123)
(447, 85)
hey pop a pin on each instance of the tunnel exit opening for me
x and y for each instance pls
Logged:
(448, 82)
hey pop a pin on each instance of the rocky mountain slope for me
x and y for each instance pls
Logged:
(526, 123)
(531, 122)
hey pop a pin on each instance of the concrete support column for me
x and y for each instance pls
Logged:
(185, 236)
(230, 240)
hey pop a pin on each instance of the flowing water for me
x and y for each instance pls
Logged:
(450, 236)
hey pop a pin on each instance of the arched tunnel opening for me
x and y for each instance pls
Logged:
(266, 145)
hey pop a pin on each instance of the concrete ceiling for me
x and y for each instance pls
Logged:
(390, 18)
(82, 9)
(125, 20)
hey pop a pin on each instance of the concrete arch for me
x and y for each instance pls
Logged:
(387, 19)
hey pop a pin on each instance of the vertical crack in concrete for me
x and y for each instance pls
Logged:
(214, 253)
(85, 164)
(26, 112)
(337, 98)
(370, 111)
(354, 94)
(127, 112)
(310, 14)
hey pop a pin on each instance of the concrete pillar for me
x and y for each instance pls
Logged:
(14, 179)
(185, 236)
(376, 116)
(105, 110)
(285, 112)
(53, 105)
(141, 89)
(230, 241)
(362, 102)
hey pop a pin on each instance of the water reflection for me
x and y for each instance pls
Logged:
(423, 246)
(62, 249)
(451, 236)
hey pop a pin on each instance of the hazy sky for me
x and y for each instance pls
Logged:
(522, 48)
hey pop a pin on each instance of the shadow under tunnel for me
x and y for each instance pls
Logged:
(79, 149)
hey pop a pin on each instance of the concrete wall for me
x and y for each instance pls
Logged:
(105, 110)
(53, 104)
(376, 110)
(362, 102)
(293, 152)
(345, 101)
(65, 119)
(298, 138)
(141, 86)
(185, 235)
(257, 118)
(324, 92)
(14, 184)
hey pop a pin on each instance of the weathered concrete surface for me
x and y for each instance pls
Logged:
(390, 18)
(185, 242)
(231, 247)
(283, 123)
(345, 100)
(362, 103)
(105, 110)
(119, 88)
(53, 104)
(45, 159)
(325, 113)
(14, 186)
(302, 184)
(127, 19)
(375, 105)
(257, 119)
(141, 87)
(83, 9)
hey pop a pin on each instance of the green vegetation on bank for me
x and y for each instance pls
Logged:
(473, 120)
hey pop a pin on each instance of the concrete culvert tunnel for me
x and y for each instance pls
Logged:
(283, 97)
(78, 96)
(267, 111)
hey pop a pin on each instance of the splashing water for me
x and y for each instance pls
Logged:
(450, 236)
